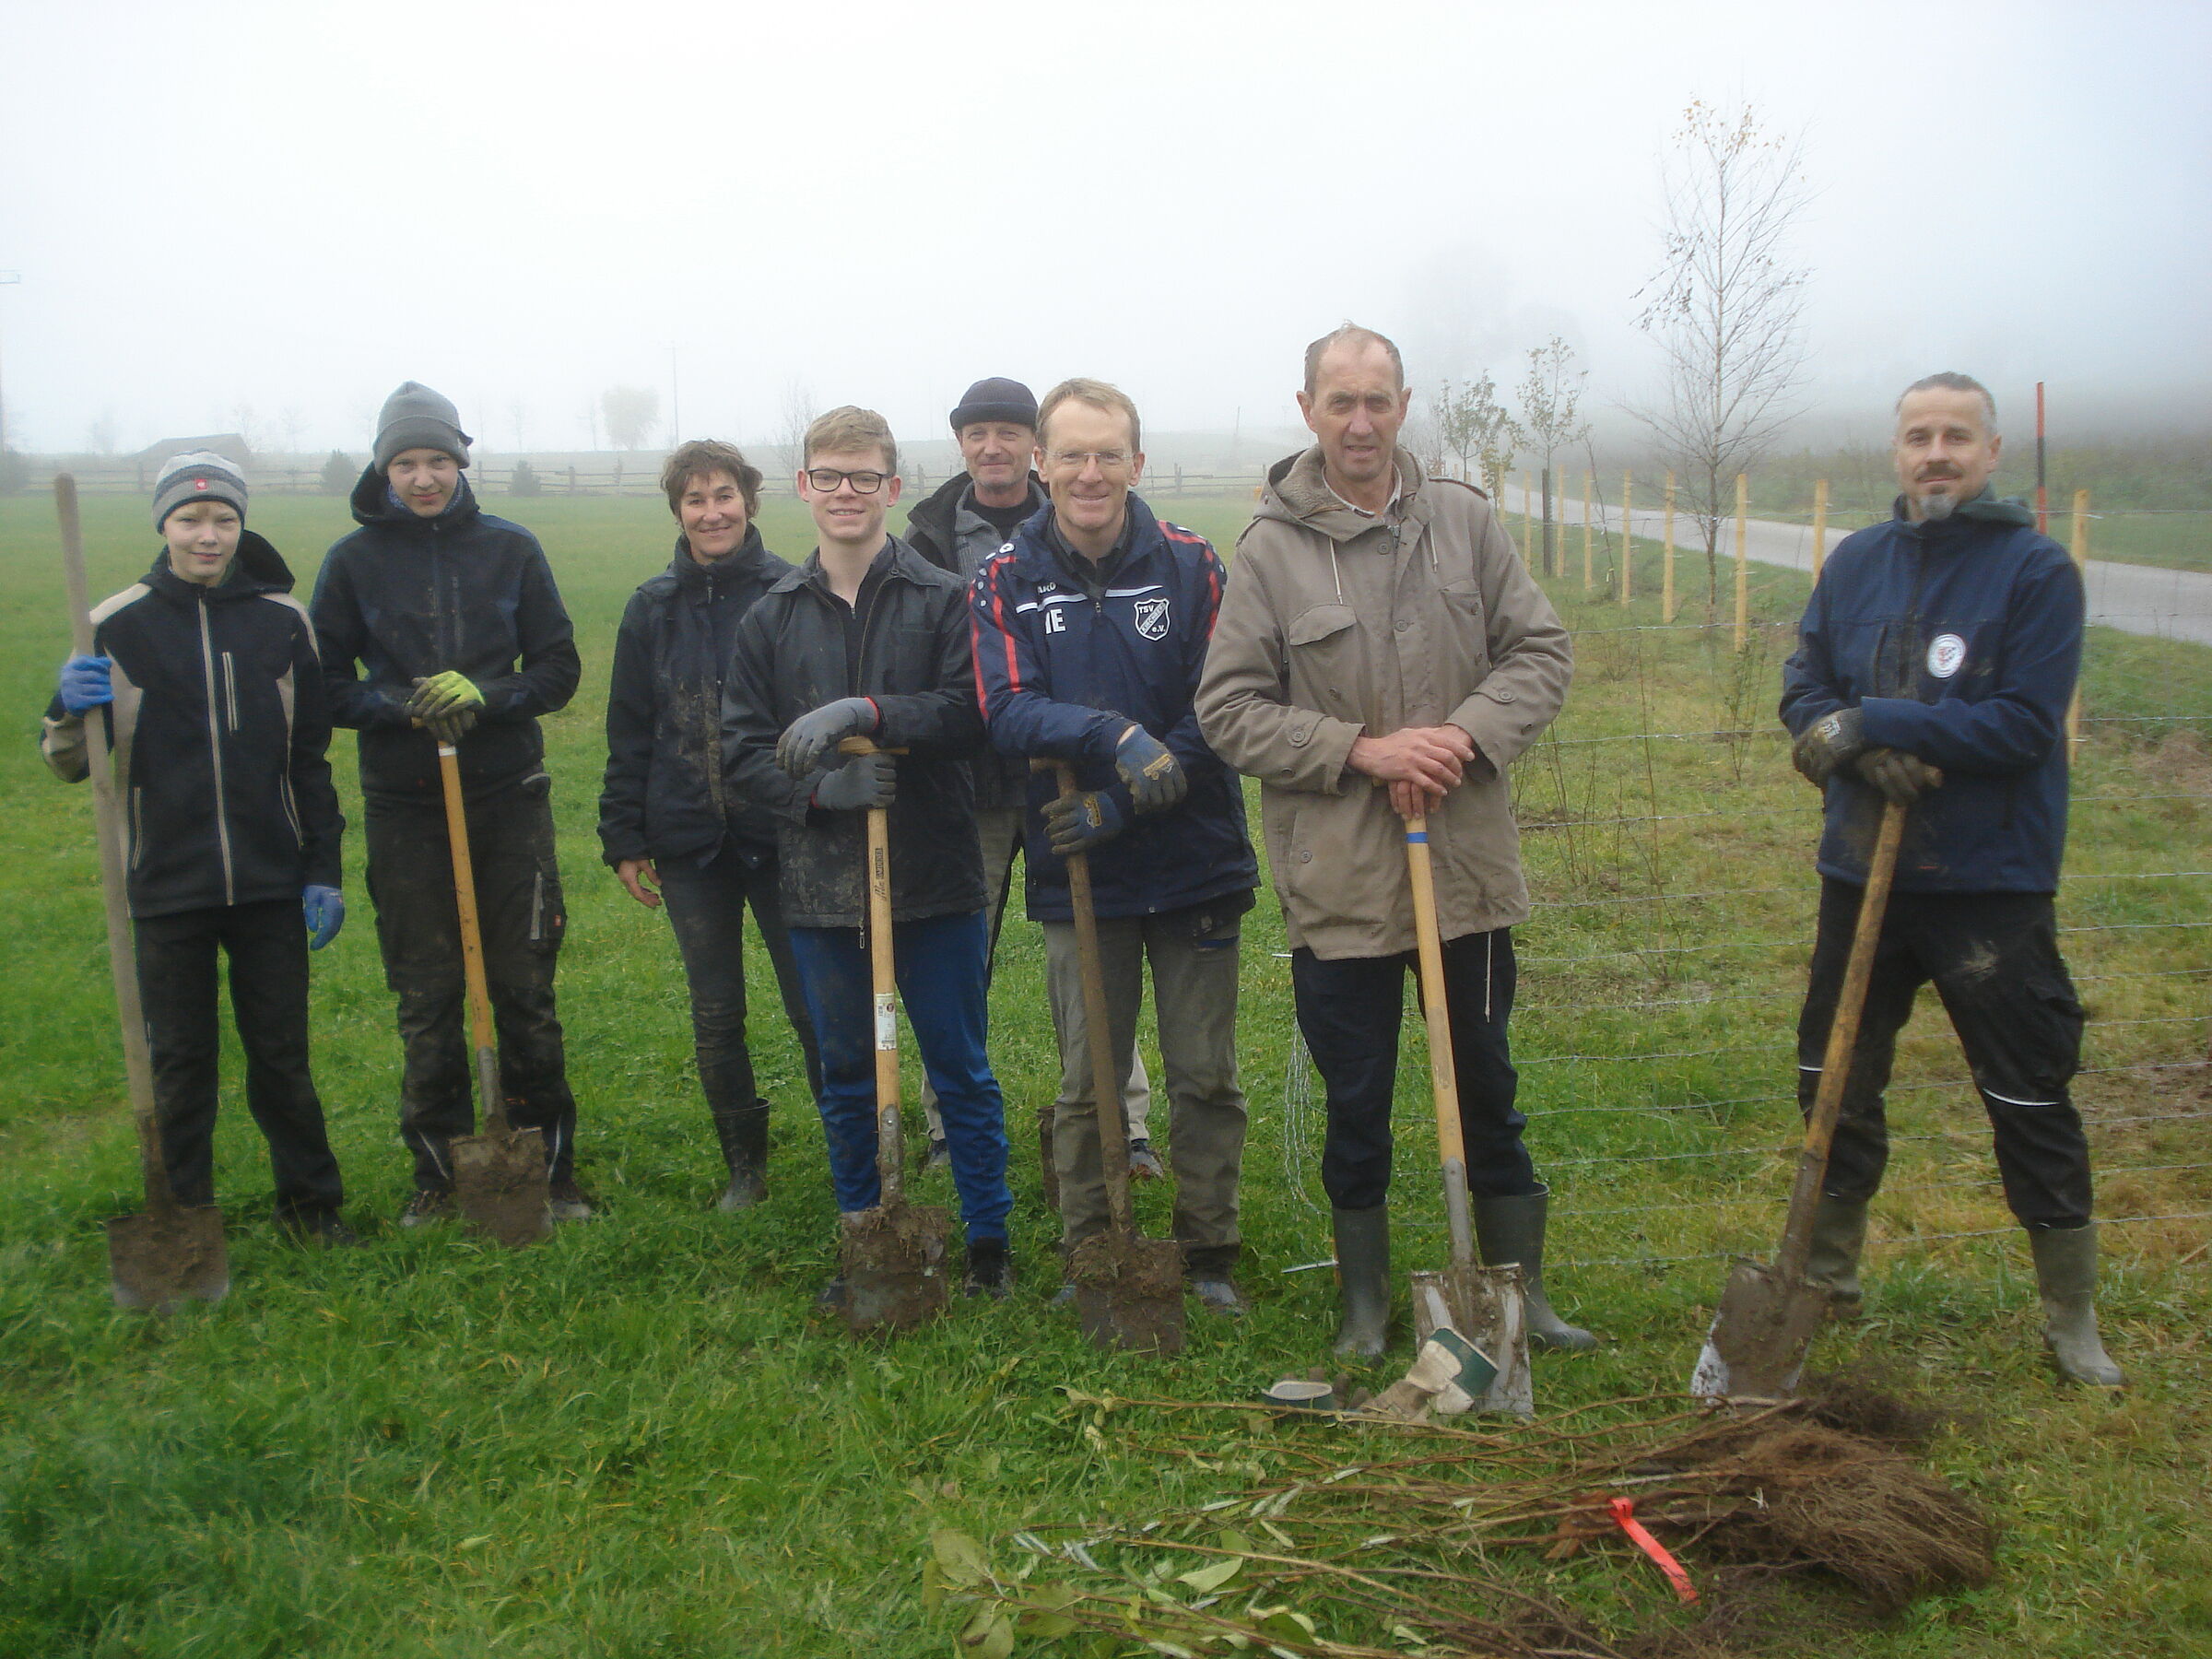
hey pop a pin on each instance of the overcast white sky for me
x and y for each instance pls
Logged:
(295, 206)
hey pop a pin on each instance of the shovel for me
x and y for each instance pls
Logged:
(1768, 1315)
(892, 1257)
(500, 1175)
(173, 1252)
(1128, 1288)
(1483, 1304)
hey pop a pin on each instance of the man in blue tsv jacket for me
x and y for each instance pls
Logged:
(1938, 657)
(1090, 629)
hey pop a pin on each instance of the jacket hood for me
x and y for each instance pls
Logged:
(1296, 493)
(257, 569)
(751, 558)
(372, 503)
(1987, 507)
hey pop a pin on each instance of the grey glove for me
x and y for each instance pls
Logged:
(1155, 778)
(1901, 777)
(862, 782)
(1831, 741)
(817, 731)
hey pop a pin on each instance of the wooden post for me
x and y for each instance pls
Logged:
(1743, 561)
(1666, 558)
(1820, 526)
(1589, 571)
(1628, 547)
(2080, 550)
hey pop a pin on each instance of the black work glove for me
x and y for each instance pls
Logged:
(861, 781)
(1155, 778)
(1076, 823)
(1832, 741)
(450, 726)
(1901, 777)
(814, 734)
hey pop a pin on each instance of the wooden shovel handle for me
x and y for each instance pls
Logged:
(1443, 1077)
(883, 973)
(107, 819)
(471, 940)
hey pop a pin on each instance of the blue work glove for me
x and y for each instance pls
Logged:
(1076, 823)
(85, 684)
(1155, 778)
(814, 734)
(325, 910)
(864, 781)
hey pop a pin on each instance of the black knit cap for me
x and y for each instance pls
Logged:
(996, 399)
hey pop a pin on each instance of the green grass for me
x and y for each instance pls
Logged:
(636, 1439)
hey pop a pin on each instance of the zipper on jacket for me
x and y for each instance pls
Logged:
(231, 690)
(215, 756)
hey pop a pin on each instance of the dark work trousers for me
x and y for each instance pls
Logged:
(706, 908)
(520, 912)
(1348, 1011)
(267, 947)
(941, 965)
(1993, 958)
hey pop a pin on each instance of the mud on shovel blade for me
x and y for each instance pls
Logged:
(1768, 1316)
(1484, 1303)
(172, 1253)
(1128, 1288)
(498, 1175)
(892, 1257)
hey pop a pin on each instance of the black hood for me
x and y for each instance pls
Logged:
(258, 568)
(372, 503)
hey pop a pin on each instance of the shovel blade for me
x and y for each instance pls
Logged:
(1485, 1306)
(894, 1262)
(500, 1186)
(1129, 1293)
(1760, 1338)
(164, 1257)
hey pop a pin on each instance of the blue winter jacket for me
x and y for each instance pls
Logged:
(1062, 668)
(1959, 641)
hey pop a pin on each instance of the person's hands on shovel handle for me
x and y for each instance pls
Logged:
(814, 734)
(863, 782)
(1901, 778)
(1419, 763)
(1079, 822)
(85, 684)
(1155, 778)
(1831, 742)
(641, 879)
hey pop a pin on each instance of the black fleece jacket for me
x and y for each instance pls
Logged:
(404, 597)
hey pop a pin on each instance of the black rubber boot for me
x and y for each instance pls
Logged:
(2065, 1274)
(1839, 1237)
(1363, 1281)
(990, 1269)
(743, 1138)
(1509, 1231)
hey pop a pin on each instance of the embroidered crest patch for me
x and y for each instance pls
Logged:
(1152, 619)
(1945, 652)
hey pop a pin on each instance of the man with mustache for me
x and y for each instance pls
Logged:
(1938, 658)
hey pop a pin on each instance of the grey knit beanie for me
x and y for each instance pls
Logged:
(197, 475)
(417, 418)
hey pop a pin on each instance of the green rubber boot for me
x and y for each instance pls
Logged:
(1511, 1231)
(1363, 1280)
(1839, 1237)
(2065, 1274)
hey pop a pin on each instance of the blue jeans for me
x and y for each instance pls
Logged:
(942, 965)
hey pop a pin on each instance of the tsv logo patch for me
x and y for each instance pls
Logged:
(1945, 652)
(1152, 619)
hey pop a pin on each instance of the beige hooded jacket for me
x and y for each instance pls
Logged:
(1337, 625)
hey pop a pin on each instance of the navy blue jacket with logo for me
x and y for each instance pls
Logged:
(405, 597)
(1959, 641)
(1061, 668)
(218, 735)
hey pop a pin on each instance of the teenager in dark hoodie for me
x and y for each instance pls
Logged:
(212, 700)
(671, 828)
(439, 622)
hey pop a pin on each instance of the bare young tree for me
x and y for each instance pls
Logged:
(1474, 428)
(247, 425)
(1725, 308)
(1550, 399)
(792, 421)
(290, 425)
(633, 414)
(100, 436)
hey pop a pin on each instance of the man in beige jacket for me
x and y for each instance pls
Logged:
(1381, 653)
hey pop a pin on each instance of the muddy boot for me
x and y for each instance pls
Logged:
(2066, 1273)
(743, 1138)
(1511, 1231)
(1363, 1281)
(1839, 1236)
(990, 1269)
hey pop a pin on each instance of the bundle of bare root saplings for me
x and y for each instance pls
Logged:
(1627, 1530)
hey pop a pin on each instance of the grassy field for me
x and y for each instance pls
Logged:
(637, 1440)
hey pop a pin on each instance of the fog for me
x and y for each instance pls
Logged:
(290, 208)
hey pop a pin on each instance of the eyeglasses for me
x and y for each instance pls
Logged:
(826, 479)
(1109, 461)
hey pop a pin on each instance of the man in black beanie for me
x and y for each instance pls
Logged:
(440, 623)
